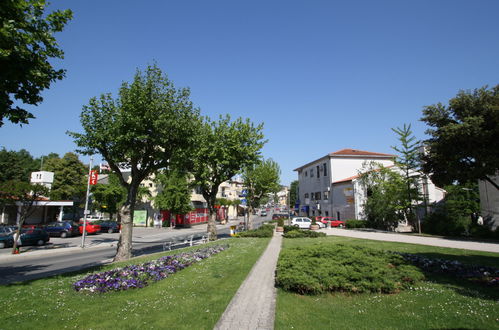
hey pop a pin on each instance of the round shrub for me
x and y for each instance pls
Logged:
(351, 224)
(330, 267)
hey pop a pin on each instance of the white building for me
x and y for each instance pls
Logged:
(329, 186)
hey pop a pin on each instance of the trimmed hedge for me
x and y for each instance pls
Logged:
(351, 224)
(297, 233)
(329, 267)
(263, 231)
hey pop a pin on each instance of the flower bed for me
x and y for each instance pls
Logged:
(139, 276)
(480, 274)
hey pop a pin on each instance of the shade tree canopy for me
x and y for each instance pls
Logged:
(150, 125)
(464, 138)
(27, 45)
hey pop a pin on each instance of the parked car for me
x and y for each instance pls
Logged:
(90, 228)
(334, 223)
(301, 222)
(5, 230)
(27, 237)
(263, 213)
(62, 228)
(277, 216)
(109, 226)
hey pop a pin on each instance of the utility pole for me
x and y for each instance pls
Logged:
(85, 213)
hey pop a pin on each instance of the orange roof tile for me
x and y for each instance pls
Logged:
(355, 152)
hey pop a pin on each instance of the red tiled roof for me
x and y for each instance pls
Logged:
(357, 176)
(355, 152)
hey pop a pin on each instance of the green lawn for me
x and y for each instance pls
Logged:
(438, 303)
(193, 298)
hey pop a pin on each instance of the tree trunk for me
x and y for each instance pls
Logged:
(212, 227)
(250, 221)
(124, 251)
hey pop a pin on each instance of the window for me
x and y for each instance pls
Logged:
(306, 195)
(312, 196)
(326, 195)
(338, 216)
(325, 168)
(327, 213)
(306, 173)
(311, 172)
(318, 195)
(317, 168)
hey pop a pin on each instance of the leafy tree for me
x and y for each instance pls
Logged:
(464, 138)
(408, 162)
(25, 195)
(150, 126)
(293, 193)
(109, 197)
(453, 216)
(175, 193)
(70, 177)
(225, 148)
(16, 165)
(260, 180)
(27, 44)
(385, 189)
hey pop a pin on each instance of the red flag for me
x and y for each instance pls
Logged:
(93, 177)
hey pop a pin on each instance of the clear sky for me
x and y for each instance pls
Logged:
(321, 75)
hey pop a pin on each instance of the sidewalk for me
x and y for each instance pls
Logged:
(433, 241)
(253, 306)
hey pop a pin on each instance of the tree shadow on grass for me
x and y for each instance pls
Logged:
(457, 280)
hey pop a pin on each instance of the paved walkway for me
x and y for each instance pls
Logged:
(434, 241)
(253, 306)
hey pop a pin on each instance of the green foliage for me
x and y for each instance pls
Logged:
(263, 231)
(453, 216)
(333, 267)
(298, 233)
(224, 148)
(293, 193)
(289, 228)
(463, 137)
(386, 196)
(351, 224)
(175, 193)
(26, 48)
(260, 180)
(70, 177)
(17, 165)
(280, 222)
(109, 197)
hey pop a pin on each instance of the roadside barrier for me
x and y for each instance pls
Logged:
(185, 241)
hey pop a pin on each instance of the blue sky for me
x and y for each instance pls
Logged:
(321, 75)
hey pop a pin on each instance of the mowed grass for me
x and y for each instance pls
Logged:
(440, 302)
(193, 298)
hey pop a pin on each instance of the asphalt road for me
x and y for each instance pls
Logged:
(65, 255)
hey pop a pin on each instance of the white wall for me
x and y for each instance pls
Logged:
(347, 167)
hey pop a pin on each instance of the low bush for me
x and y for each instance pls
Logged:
(351, 224)
(289, 228)
(297, 233)
(263, 231)
(333, 267)
(280, 222)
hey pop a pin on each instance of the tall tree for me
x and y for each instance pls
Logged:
(27, 45)
(409, 163)
(24, 195)
(293, 193)
(175, 193)
(260, 179)
(464, 138)
(225, 148)
(70, 180)
(16, 165)
(151, 125)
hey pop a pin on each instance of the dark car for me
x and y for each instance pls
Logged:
(62, 228)
(27, 237)
(109, 226)
(277, 216)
